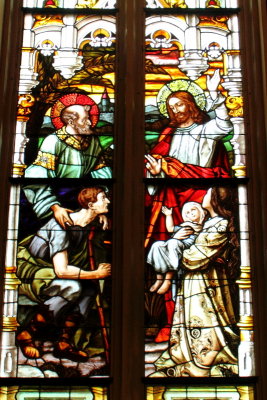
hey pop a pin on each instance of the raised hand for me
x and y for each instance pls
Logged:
(213, 83)
(166, 211)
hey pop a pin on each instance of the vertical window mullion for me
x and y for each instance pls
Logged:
(128, 200)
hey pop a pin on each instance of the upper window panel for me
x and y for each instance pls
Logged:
(70, 3)
(66, 97)
(192, 3)
(193, 100)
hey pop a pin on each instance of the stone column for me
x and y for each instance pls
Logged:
(28, 79)
(246, 348)
(234, 102)
(8, 349)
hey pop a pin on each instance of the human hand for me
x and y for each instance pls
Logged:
(103, 220)
(103, 270)
(183, 233)
(213, 83)
(61, 215)
(166, 211)
(153, 165)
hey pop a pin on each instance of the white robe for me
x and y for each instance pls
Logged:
(202, 341)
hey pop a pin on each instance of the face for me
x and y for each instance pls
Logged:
(180, 109)
(101, 205)
(82, 124)
(206, 200)
(193, 214)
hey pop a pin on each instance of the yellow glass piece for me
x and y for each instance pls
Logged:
(8, 392)
(235, 105)
(214, 21)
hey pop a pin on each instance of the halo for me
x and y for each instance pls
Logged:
(70, 100)
(180, 85)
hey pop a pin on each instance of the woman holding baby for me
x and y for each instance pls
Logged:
(204, 336)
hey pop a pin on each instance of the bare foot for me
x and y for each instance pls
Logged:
(165, 286)
(156, 285)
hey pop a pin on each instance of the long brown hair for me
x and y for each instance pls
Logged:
(198, 116)
(224, 203)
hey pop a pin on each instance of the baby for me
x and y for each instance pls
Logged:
(165, 256)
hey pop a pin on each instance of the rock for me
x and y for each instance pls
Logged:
(27, 371)
(50, 374)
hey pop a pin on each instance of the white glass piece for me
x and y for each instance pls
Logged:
(30, 3)
(20, 141)
(67, 62)
(246, 361)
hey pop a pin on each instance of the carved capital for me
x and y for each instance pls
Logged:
(244, 282)
(246, 323)
(11, 280)
(18, 169)
(240, 171)
(9, 324)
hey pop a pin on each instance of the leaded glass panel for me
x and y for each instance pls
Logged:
(58, 260)
(193, 302)
(198, 308)
(64, 295)
(67, 66)
(194, 60)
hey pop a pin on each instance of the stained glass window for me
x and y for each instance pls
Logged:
(198, 327)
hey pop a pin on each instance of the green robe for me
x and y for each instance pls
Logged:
(63, 156)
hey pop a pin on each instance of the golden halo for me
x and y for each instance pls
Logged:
(180, 85)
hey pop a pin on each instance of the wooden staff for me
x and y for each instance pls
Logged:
(99, 305)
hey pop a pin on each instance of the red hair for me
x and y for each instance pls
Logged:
(88, 195)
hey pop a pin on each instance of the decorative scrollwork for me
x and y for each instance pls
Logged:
(25, 103)
(235, 105)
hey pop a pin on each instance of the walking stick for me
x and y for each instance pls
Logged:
(99, 305)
